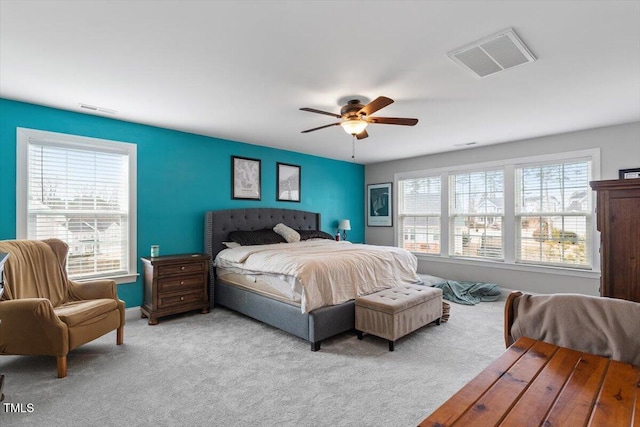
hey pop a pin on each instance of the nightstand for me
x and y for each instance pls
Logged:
(174, 284)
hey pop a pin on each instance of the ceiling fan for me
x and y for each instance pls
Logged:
(355, 117)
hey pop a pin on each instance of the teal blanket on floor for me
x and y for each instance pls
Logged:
(468, 293)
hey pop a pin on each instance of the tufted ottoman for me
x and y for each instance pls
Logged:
(396, 312)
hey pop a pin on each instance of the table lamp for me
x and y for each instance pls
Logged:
(344, 225)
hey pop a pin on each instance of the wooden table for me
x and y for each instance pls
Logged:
(539, 384)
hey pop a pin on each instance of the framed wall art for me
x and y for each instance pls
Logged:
(287, 182)
(245, 178)
(629, 173)
(379, 205)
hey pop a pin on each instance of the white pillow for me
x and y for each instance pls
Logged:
(289, 234)
(231, 245)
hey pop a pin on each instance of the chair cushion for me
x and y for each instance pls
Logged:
(76, 312)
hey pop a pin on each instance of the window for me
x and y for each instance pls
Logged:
(534, 211)
(420, 214)
(553, 213)
(476, 214)
(82, 191)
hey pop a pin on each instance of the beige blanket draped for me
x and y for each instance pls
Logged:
(603, 326)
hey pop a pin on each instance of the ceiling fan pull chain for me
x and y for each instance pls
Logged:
(353, 148)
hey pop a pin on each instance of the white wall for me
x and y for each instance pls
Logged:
(620, 149)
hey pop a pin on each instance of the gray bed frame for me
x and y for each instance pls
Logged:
(315, 326)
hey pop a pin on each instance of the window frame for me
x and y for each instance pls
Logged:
(454, 215)
(427, 215)
(23, 138)
(509, 261)
(589, 216)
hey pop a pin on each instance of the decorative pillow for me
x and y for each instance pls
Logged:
(314, 234)
(288, 233)
(232, 245)
(255, 237)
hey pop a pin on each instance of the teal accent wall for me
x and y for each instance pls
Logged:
(182, 175)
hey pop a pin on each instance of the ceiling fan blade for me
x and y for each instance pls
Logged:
(375, 105)
(362, 135)
(313, 110)
(392, 121)
(321, 127)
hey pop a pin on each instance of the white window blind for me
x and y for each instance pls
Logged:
(419, 214)
(526, 213)
(79, 191)
(476, 211)
(553, 213)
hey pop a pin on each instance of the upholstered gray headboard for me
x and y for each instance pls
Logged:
(218, 224)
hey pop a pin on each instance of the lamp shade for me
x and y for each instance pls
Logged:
(353, 126)
(344, 224)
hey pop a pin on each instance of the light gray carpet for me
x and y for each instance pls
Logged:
(224, 369)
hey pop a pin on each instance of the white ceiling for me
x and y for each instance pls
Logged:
(241, 70)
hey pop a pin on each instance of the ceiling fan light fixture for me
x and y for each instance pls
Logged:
(353, 126)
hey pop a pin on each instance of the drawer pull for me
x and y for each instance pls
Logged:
(182, 268)
(182, 282)
(181, 298)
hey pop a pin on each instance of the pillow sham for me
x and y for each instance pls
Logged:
(255, 237)
(314, 234)
(288, 233)
(231, 245)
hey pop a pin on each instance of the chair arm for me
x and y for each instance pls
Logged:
(82, 291)
(96, 289)
(30, 326)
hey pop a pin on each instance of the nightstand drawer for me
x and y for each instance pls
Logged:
(191, 267)
(179, 283)
(183, 298)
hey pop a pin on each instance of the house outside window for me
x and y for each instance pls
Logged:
(82, 191)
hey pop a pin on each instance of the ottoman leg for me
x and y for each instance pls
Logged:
(391, 345)
(438, 321)
(359, 334)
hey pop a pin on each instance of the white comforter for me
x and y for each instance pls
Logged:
(328, 272)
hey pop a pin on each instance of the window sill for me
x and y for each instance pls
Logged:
(574, 272)
(125, 278)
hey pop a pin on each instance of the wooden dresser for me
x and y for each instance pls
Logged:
(618, 212)
(174, 284)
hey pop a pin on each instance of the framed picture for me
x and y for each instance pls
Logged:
(379, 205)
(287, 182)
(245, 178)
(629, 173)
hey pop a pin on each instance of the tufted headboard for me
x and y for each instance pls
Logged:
(218, 224)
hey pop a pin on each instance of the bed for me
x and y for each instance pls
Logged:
(315, 325)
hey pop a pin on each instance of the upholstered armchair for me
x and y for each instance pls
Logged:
(42, 312)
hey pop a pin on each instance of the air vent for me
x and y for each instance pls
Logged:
(492, 54)
(98, 109)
